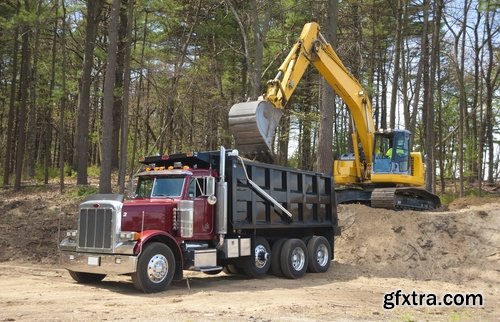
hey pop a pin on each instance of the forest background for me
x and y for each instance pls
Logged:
(86, 88)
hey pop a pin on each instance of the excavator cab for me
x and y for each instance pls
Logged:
(392, 152)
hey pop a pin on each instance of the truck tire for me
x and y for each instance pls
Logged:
(259, 262)
(155, 268)
(320, 254)
(86, 278)
(293, 258)
(275, 257)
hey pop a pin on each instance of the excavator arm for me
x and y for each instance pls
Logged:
(311, 48)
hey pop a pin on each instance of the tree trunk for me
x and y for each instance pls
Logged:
(12, 107)
(430, 121)
(260, 33)
(491, 79)
(31, 156)
(383, 99)
(396, 66)
(81, 155)
(126, 96)
(463, 100)
(118, 98)
(327, 106)
(427, 104)
(24, 86)
(63, 99)
(475, 137)
(247, 61)
(109, 85)
(47, 161)
(139, 90)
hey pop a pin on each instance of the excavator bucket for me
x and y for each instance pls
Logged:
(252, 125)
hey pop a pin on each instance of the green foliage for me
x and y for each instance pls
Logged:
(451, 196)
(82, 191)
(40, 173)
(447, 198)
(93, 171)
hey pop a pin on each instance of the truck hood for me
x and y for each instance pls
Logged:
(158, 214)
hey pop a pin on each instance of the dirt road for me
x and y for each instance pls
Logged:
(46, 293)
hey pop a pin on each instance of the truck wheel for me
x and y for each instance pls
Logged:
(86, 278)
(275, 257)
(294, 258)
(258, 263)
(155, 268)
(319, 251)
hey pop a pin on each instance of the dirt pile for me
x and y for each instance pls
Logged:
(454, 246)
(29, 223)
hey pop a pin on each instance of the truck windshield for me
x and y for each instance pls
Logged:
(150, 187)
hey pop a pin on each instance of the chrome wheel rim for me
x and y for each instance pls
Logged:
(298, 258)
(157, 268)
(322, 256)
(261, 256)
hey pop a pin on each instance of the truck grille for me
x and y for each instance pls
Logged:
(95, 228)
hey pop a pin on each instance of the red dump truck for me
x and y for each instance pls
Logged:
(208, 212)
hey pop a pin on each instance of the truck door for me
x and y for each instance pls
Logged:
(203, 212)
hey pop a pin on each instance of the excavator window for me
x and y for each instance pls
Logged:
(391, 152)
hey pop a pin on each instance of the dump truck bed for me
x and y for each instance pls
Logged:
(308, 196)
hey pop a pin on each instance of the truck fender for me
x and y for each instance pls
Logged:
(149, 236)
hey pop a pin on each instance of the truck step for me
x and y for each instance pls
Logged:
(208, 268)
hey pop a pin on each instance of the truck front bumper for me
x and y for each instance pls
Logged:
(99, 263)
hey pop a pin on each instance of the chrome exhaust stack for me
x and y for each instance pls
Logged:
(221, 205)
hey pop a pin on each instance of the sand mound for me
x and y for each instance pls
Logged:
(453, 246)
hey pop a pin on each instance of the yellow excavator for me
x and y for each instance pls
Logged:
(382, 170)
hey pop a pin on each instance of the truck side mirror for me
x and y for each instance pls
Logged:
(210, 190)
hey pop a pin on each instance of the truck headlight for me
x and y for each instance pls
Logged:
(129, 235)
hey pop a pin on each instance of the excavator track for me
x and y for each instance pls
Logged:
(404, 198)
(252, 125)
